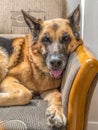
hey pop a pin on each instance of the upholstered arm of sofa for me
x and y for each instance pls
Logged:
(78, 84)
(83, 75)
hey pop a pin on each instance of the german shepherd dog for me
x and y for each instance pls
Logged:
(37, 62)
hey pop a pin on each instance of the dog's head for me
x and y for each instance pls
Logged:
(55, 39)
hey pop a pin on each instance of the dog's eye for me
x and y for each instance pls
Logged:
(65, 38)
(46, 40)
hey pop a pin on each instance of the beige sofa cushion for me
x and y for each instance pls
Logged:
(11, 20)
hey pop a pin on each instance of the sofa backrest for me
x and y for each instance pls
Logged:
(11, 19)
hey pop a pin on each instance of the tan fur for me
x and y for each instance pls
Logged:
(30, 72)
(29, 75)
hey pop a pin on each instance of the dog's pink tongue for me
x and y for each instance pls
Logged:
(56, 73)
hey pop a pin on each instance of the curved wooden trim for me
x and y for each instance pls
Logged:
(84, 54)
(80, 88)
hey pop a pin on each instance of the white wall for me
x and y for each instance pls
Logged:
(90, 30)
(93, 114)
(90, 37)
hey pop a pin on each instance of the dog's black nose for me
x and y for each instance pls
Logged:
(56, 63)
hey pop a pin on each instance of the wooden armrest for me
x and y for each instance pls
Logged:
(81, 89)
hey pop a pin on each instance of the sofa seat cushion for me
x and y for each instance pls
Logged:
(28, 117)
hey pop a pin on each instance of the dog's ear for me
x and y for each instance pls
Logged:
(74, 19)
(33, 23)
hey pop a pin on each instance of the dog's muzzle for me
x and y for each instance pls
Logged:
(56, 64)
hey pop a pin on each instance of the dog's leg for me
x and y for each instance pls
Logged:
(55, 115)
(13, 93)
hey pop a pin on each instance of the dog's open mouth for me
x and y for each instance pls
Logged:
(56, 73)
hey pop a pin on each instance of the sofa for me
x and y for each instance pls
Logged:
(79, 80)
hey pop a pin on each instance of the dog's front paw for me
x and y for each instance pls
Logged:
(55, 116)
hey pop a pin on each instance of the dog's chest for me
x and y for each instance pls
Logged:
(34, 79)
(40, 82)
